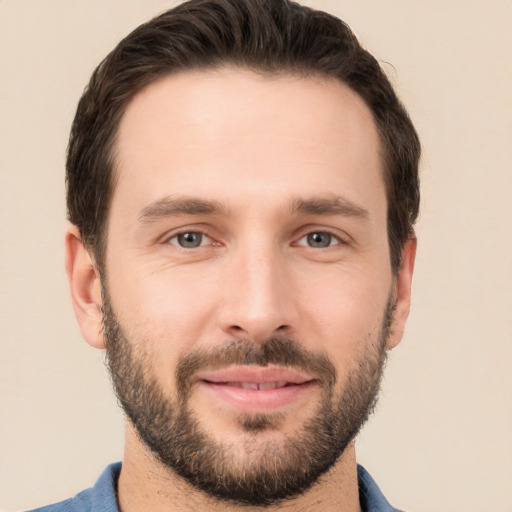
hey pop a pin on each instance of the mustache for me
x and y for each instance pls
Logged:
(279, 351)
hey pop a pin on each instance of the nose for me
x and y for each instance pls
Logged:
(258, 299)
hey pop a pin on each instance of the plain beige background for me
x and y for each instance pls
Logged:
(441, 440)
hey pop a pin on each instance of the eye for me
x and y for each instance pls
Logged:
(190, 239)
(319, 240)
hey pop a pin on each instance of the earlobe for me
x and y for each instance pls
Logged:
(85, 287)
(402, 293)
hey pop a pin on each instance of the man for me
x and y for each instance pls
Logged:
(242, 187)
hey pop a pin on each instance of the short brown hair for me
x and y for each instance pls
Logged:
(271, 36)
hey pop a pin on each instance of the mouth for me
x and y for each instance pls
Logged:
(256, 389)
(254, 385)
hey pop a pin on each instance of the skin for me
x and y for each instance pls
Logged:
(256, 146)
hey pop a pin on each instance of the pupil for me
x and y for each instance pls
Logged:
(319, 239)
(189, 240)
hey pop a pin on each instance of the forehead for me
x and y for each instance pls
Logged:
(231, 133)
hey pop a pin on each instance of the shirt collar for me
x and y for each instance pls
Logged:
(370, 496)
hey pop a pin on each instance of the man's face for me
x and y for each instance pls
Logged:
(248, 290)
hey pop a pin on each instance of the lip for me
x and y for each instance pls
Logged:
(255, 388)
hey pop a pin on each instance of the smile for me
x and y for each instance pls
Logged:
(253, 389)
(256, 385)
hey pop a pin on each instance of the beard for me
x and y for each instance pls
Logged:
(259, 474)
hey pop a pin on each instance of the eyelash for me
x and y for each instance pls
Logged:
(188, 232)
(339, 240)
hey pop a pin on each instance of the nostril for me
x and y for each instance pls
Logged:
(256, 329)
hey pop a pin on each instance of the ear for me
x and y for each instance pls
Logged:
(402, 293)
(85, 287)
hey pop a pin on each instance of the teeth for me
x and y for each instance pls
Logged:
(272, 385)
(249, 385)
(256, 385)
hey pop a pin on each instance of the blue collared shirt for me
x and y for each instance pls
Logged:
(102, 496)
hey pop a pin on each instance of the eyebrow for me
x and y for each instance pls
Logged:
(169, 206)
(329, 206)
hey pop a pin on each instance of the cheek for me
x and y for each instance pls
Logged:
(163, 314)
(345, 315)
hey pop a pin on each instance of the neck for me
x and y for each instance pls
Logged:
(146, 485)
